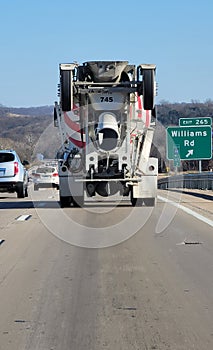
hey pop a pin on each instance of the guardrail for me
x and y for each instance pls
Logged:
(201, 181)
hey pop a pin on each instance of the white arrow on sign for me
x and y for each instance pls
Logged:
(190, 153)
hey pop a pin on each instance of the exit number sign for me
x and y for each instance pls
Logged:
(201, 121)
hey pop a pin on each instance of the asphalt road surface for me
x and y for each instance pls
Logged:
(68, 284)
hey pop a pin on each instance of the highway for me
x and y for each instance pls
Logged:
(105, 277)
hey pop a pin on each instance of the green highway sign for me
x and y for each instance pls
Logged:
(189, 143)
(201, 121)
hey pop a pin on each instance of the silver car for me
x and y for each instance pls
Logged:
(46, 176)
(13, 174)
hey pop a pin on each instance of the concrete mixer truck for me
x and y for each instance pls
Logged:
(106, 117)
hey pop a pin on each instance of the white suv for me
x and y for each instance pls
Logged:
(46, 176)
(13, 174)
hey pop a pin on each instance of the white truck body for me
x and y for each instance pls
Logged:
(106, 117)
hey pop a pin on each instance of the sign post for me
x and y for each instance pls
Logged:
(176, 155)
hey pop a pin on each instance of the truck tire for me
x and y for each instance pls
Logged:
(55, 117)
(20, 190)
(149, 202)
(65, 201)
(26, 192)
(136, 202)
(66, 90)
(148, 89)
(36, 187)
(78, 202)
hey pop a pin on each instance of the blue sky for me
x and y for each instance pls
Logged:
(37, 35)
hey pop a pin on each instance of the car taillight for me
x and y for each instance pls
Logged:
(55, 174)
(15, 168)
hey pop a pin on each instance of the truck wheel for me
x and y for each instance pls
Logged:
(149, 202)
(20, 190)
(65, 201)
(66, 90)
(136, 202)
(78, 202)
(26, 192)
(148, 89)
(36, 187)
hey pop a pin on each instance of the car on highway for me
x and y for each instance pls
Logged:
(46, 176)
(13, 174)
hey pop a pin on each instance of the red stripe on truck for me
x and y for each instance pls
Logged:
(71, 124)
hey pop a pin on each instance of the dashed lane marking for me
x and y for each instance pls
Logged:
(23, 217)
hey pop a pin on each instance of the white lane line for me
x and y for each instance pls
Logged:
(23, 217)
(188, 211)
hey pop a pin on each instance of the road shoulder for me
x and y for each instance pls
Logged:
(200, 201)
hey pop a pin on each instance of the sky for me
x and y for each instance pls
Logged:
(37, 35)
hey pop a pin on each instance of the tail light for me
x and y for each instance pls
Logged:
(15, 168)
(55, 174)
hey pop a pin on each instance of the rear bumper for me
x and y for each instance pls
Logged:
(46, 184)
(8, 186)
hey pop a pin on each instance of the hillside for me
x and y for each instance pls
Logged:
(30, 130)
(21, 128)
(169, 114)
